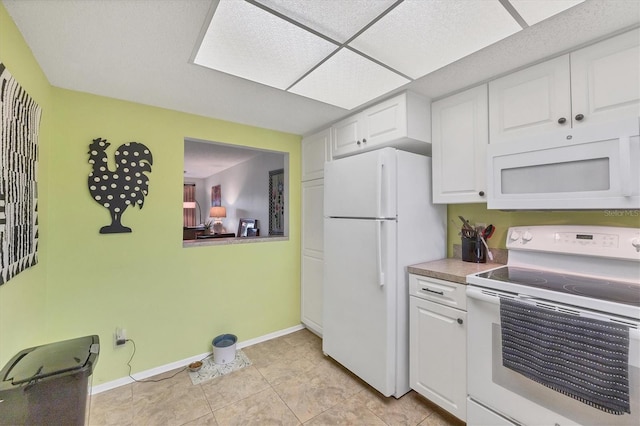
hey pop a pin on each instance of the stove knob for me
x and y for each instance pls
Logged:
(636, 243)
(526, 237)
(515, 235)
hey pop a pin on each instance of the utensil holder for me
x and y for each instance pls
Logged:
(473, 250)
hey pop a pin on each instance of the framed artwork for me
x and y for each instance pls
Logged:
(276, 202)
(244, 225)
(19, 228)
(216, 196)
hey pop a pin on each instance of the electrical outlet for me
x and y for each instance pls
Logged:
(120, 336)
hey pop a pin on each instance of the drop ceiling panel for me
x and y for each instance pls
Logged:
(248, 42)
(418, 37)
(534, 11)
(337, 19)
(348, 80)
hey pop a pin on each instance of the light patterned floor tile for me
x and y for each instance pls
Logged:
(441, 419)
(233, 387)
(168, 403)
(112, 407)
(411, 409)
(350, 412)
(317, 390)
(290, 381)
(263, 408)
(208, 420)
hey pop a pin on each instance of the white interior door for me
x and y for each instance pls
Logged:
(359, 299)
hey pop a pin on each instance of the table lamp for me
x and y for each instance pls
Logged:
(217, 213)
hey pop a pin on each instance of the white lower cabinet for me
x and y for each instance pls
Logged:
(438, 344)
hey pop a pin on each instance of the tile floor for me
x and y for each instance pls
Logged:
(290, 382)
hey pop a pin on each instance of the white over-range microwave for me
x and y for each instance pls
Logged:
(591, 167)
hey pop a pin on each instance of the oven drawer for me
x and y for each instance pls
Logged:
(444, 292)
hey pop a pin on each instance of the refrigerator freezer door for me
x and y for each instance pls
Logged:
(359, 315)
(362, 185)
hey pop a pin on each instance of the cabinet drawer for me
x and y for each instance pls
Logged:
(444, 292)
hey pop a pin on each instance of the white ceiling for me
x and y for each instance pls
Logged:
(204, 159)
(142, 50)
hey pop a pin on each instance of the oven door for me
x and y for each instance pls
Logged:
(518, 398)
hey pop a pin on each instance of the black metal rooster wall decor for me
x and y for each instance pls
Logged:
(127, 186)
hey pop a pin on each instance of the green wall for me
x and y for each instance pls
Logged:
(172, 300)
(502, 220)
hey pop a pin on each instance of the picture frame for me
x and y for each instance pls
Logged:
(216, 196)
(244, 225)
(276, 202)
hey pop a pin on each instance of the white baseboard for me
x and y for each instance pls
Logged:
(183, 362)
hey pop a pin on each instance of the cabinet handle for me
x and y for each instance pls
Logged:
(460, 321)
(579, 117)
(441, 293)
(358, 142)
(364, 140)
(481, 193)
(562, 120)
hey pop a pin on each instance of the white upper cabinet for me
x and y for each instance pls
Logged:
(598, 83)
(605, 80)
(460, 137)
(316, 149)
(402, 121)
(536, 99)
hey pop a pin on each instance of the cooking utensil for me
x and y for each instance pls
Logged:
(489, 254)
(488, 232)
(466, 224)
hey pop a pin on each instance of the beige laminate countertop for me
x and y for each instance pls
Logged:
(454, 270)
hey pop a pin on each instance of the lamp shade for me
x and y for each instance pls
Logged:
(218, 211)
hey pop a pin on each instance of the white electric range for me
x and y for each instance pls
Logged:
(563, 287)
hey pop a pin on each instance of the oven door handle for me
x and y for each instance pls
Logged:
(493, 296)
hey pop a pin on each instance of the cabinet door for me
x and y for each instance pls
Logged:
(345, 137)
(385, 122)
(438, 354)
(536, 99)
(316, 149)
(605, 80)
(312, 254)
(460, 138)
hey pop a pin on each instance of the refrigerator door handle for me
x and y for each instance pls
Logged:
(379, 270)
(379, 187)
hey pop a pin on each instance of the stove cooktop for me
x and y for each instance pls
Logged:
(613, 291)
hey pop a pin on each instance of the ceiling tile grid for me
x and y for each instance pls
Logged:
(346, 53)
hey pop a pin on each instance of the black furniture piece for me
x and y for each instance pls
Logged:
(227, 235)
(49, 384)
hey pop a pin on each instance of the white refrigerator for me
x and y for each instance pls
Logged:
(378, 219)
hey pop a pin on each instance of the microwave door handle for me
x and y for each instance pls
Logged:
(625, 166)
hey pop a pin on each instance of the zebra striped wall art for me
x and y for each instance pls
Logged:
(19, 128)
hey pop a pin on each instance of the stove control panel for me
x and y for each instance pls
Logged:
(601, 241)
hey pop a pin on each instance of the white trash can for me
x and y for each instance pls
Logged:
(224, 348)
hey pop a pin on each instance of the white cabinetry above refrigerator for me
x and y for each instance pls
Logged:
(402, 122)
